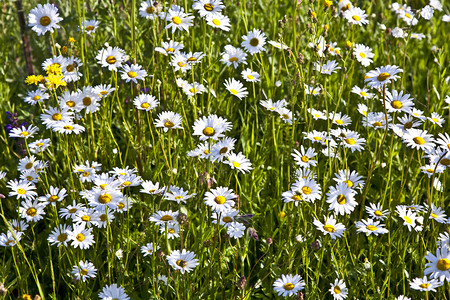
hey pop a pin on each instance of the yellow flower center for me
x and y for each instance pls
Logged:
(341, 199)
(29, 165)
(209, 131)
(24, 133)
(350, 141)
(21, 191)
(250, 77)
(57, 117)
(236, 164)
(105, 198)
(433, 215)
(36, 98)
(297, 197)
(208, 6)
(150, 9)
(45, 21)
(166, 218)
(53, 198)
(383, 76)
(176, 20)
(376, 124)
(424, 285)
(396, 104)
(233, 91)
(443, 264)
(145, 105)
(445, 161)
(84, 272)
(349, 183)
(220, 200)
(89, 28)
(371, 227)
(339, 121)
(337, 290)
(169, 124)
(39, 144)
(430, 170)
(216, 22)
(31, 211)
(435, 120)
(317, 138)
(223, 150)
(62, 237)
(364, 94)
(111, 59)
(356, 18)
(306, 190)
(72, 210)
(193, 90)
(80, 237)
(132, 74)
(68, 127)
(289, 286)
(233, 59)
(378, 213)
(87, 101)
(305, 159)
(329, 228)
(170, 49)
(120, 205)
(254, 42)
(227, 219)
(103, 217)
(181, 64)
(419, 140)
(86, 218)
(362, 55)
(408, 15)
(70, 103)
(171, 230)
(407, 219)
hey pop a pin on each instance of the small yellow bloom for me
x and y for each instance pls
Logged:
(34, 79)
(71, 40)
(282, 214)
(54, 81)
(349, 44)
(327, 3)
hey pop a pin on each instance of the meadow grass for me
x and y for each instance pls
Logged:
(271, 234)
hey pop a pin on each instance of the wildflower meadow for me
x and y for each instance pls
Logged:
(224, 149)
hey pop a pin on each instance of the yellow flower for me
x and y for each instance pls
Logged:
(53, 69)
(54, 81)
(282, 214)
(71, 40)
(34, 79)
(327, 3)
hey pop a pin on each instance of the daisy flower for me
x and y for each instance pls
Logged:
(145, 102)
(211, 127)
(370, 226)
(207, 7)
(380, 76)
(436, 119)
(310, 90)
(23, 132)
(44, 18)
(254, 41)
(31, 210)
(34, 97)
(149, 9)
(233, 56)
(353, 141)
(59, 235)
(21, 189)
(239, 162)
(90, 26)
(111, 58)
(103, 90)
(352, 179)
(149, 249)
(362, 92)
(286, 115)
(328, 68)
(356, 15)
(55, 195)
(338, 289)
(341, 199)
(81, 237)
(84, 270)
(397, 101)
(184, 261)
(113, 291)
(439, 265)
(424, 284)
(438, 214)
(178, 20)
(171, 47)
(273, 106)
(288, 285)
(168, 120)
(133, 73)
(220, 199)
(9, 239)
(330, 227)
(162, 217)
(363, 54)
(250, 76)
(303, 158)
(217, 20)
(222, 149)
(90, 100)
(225, 218)
(409, 217)
(236, 88)
(193, 89)
(418, 139)
(340, 119)
(307, 188)
(178, 195)
(376, 211)
(278, 45)
(171, 229)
